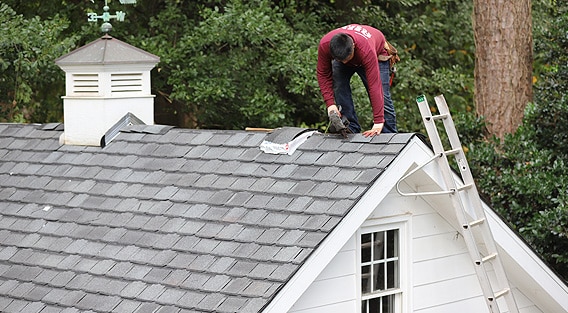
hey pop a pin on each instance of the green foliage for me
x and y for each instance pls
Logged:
(525, 176)
(526, 182)
(243, 65)
(435, 58)
(30, 82)
(255, 61)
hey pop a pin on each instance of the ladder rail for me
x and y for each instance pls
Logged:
(460, 195)
(474, 198)
(443, 163)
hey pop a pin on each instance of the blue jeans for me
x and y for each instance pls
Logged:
(343, 96)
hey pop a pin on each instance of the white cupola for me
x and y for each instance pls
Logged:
(105, 80)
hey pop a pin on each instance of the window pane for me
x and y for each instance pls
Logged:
(375, 305)
(366, 279)
(379, 276)
(392, 243)
(384, 304)
(392, 274)
(379, 245)
(388, 304)
(365, 248)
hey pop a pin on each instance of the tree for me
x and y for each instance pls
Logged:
(503, 65)
(524, 175)
(244, 64)
(30, 83)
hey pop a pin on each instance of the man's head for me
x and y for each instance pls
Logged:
(341, 47)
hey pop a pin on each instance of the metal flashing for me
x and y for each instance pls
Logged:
(286, 134)
(51, 126)
(146, 129)
(127, 120)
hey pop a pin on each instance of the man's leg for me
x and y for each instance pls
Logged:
(342, 90)
(390, 115)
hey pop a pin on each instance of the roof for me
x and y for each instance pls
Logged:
(107, 50)
(179, 220)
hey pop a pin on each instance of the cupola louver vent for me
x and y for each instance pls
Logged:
(123, 83)
(86, 84)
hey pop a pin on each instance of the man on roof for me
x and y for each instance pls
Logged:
(343, 52)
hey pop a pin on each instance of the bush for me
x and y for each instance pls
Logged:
(525, 179)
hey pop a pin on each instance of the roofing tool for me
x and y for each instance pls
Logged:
(338, 124)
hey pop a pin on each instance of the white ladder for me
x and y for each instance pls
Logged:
(475, 228)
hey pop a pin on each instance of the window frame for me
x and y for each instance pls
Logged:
(374, 225)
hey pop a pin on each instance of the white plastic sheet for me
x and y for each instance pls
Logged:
(285, 148)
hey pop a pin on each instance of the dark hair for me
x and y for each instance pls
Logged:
(341, 46)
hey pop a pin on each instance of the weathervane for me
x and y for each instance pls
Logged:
(106, 16)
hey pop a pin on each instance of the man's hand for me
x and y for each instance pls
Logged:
(333, 107)
(377, 129)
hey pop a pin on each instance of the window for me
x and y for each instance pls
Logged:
(380, 272)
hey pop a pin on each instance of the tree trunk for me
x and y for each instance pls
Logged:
(503, 64)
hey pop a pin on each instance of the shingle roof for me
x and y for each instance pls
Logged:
(181, 221)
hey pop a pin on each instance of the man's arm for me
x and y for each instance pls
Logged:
(324, 74)
(374, 82)
(372, 72)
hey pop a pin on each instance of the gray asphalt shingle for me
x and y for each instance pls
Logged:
(169, 220)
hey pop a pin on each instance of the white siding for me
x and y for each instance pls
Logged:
(444, 278)
(464, 305)
(87, 119)
(334, 289)
(441, 273)
(525, 304)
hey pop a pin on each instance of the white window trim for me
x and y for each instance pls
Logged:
(402, 223)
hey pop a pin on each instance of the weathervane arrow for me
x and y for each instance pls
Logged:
(106, 16)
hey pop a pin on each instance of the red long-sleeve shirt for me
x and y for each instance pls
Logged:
(369, 44)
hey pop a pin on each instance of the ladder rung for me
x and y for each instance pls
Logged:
(474, 223)
(485, 259)
(436, 117)
(458, 189)
(464, 187)
(453, 151)
(499, 294)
